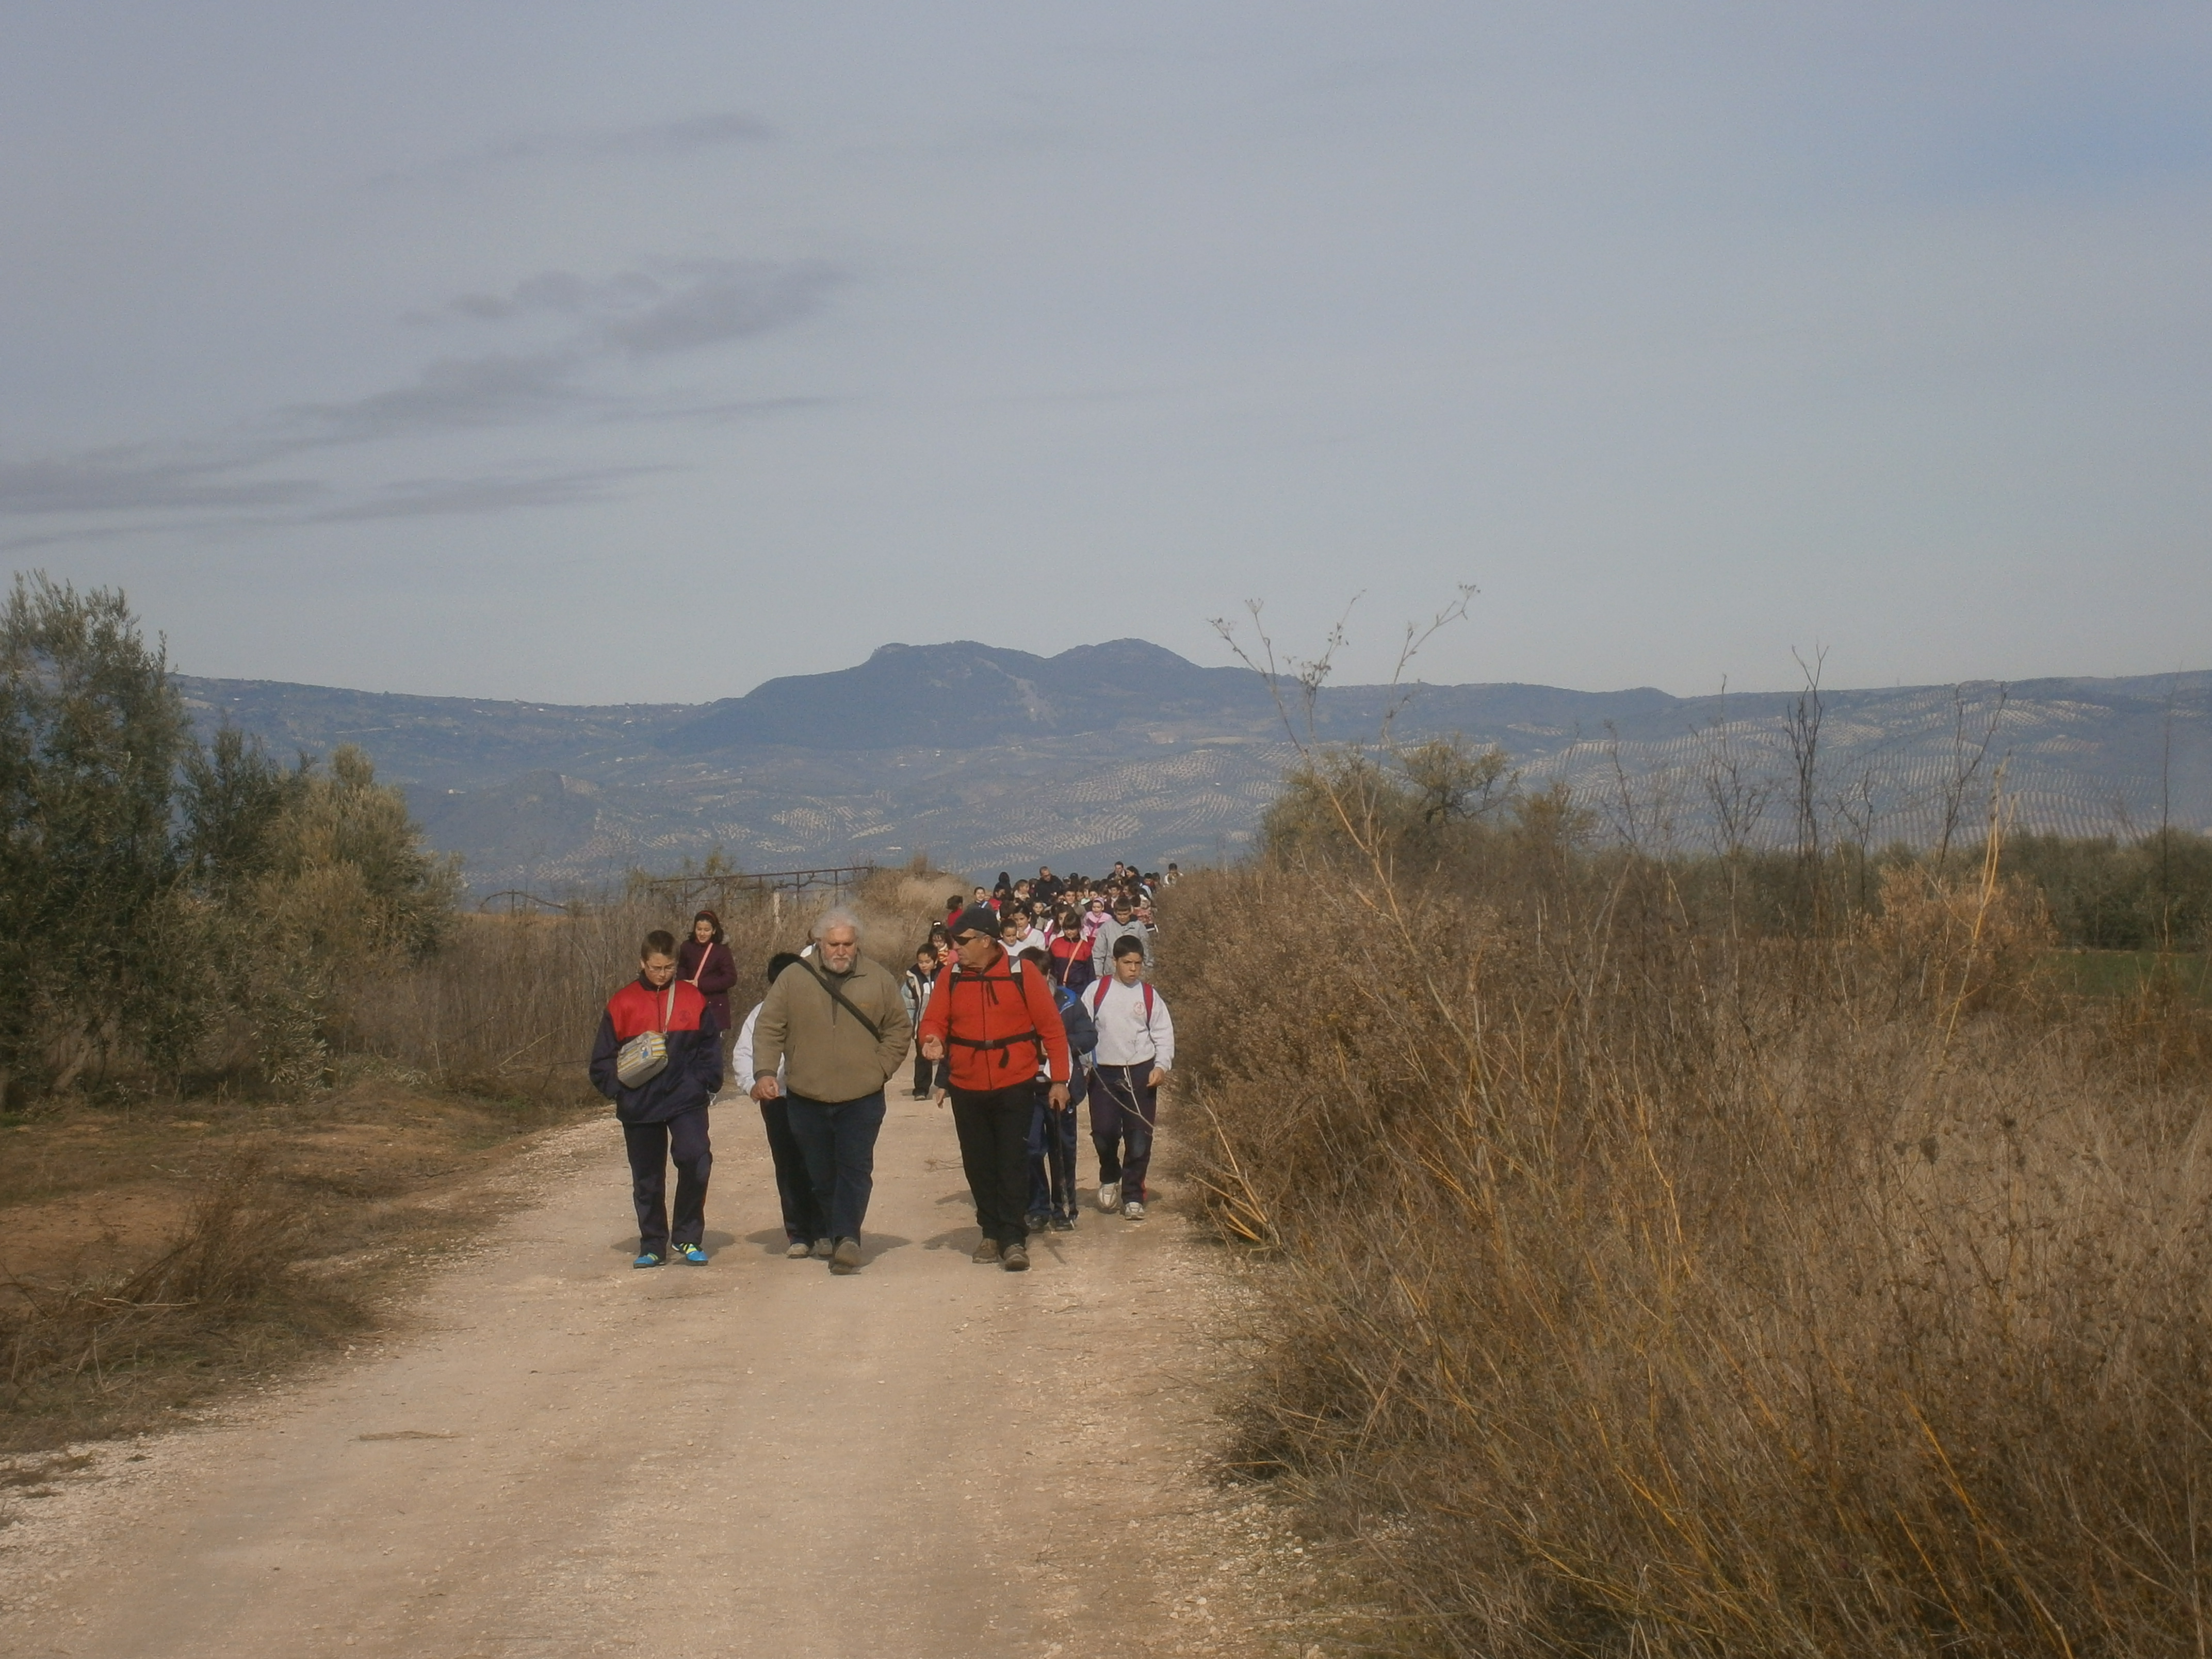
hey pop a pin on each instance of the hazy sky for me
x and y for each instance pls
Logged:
(641, 352)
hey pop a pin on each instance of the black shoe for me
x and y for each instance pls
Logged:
(1063, 1223)
(1037, 1221)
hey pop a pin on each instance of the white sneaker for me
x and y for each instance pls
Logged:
(1109, 1196)
(1133, 1210)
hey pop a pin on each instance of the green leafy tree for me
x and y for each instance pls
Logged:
(92, 945)
(334, 889)
(234, 794)
(150, 887)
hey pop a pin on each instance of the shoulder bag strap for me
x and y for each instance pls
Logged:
(874, 1031)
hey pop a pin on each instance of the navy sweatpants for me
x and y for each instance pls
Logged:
(652, 1147)
(1123, 1112)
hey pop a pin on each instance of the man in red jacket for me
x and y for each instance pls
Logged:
(999, 1022)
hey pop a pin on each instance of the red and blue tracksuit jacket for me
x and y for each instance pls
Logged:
(693, 1075)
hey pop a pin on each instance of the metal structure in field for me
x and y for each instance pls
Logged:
(724, 889)
(515, 902)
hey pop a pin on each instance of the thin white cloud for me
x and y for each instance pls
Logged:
(415, 498)
(678, 307)
(495, 390)
(138, 479)
(727, 299)
(687, 136)
(662, 310)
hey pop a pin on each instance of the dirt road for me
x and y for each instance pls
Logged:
(565, 1456)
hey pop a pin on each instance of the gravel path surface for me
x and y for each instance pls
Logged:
(556, 1454)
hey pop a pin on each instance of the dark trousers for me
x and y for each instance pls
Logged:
(803, 1220)
(839, 1139)
(1052, 1159)
(925, 1071)
(651, 1146)
(993, 1127)
(1123, 1112)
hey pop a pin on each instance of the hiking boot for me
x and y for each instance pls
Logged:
(823, 1246)
(1015, 1257)
(798, 1250)
(1109, 1196)
(646, 1259)
(985, 1250)
(845, 1258)
(690, 1255)
(1133, 1210)
(1063, 1223)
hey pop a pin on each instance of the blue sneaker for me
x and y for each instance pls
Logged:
(646, 1259)
(690, 1256)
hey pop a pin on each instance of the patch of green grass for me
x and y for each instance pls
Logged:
(2132, 973)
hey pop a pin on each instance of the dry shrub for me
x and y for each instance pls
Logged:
(1958, 945)
(222, 1295)
(1639, 1292)
(510, 1006)
(898, 906)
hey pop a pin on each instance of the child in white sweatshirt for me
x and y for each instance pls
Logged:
(1136, 1051)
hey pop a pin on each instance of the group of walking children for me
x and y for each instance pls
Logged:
(1018, 1035)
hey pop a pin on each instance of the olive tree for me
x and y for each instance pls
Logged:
(91, 736)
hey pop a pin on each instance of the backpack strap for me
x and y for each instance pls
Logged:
(1032, 1036)
(1098, 987)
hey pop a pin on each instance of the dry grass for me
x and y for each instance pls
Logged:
(510, 1006)
(153, 1256)
(222, 1296)
(1642, 1292)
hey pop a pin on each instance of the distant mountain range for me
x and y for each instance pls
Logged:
(989, 758)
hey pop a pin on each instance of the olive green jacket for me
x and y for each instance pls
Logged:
(827, 1053)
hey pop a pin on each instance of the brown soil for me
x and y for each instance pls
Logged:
(567, 1456)
(371, 1178)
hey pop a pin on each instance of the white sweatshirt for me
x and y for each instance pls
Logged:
(1127, 1037)
(741, 1056)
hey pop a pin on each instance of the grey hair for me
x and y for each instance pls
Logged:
(837, 917)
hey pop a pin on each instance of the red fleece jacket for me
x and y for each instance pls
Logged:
(997, 1026)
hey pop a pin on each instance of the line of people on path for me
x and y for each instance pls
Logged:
(1016, 1029)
